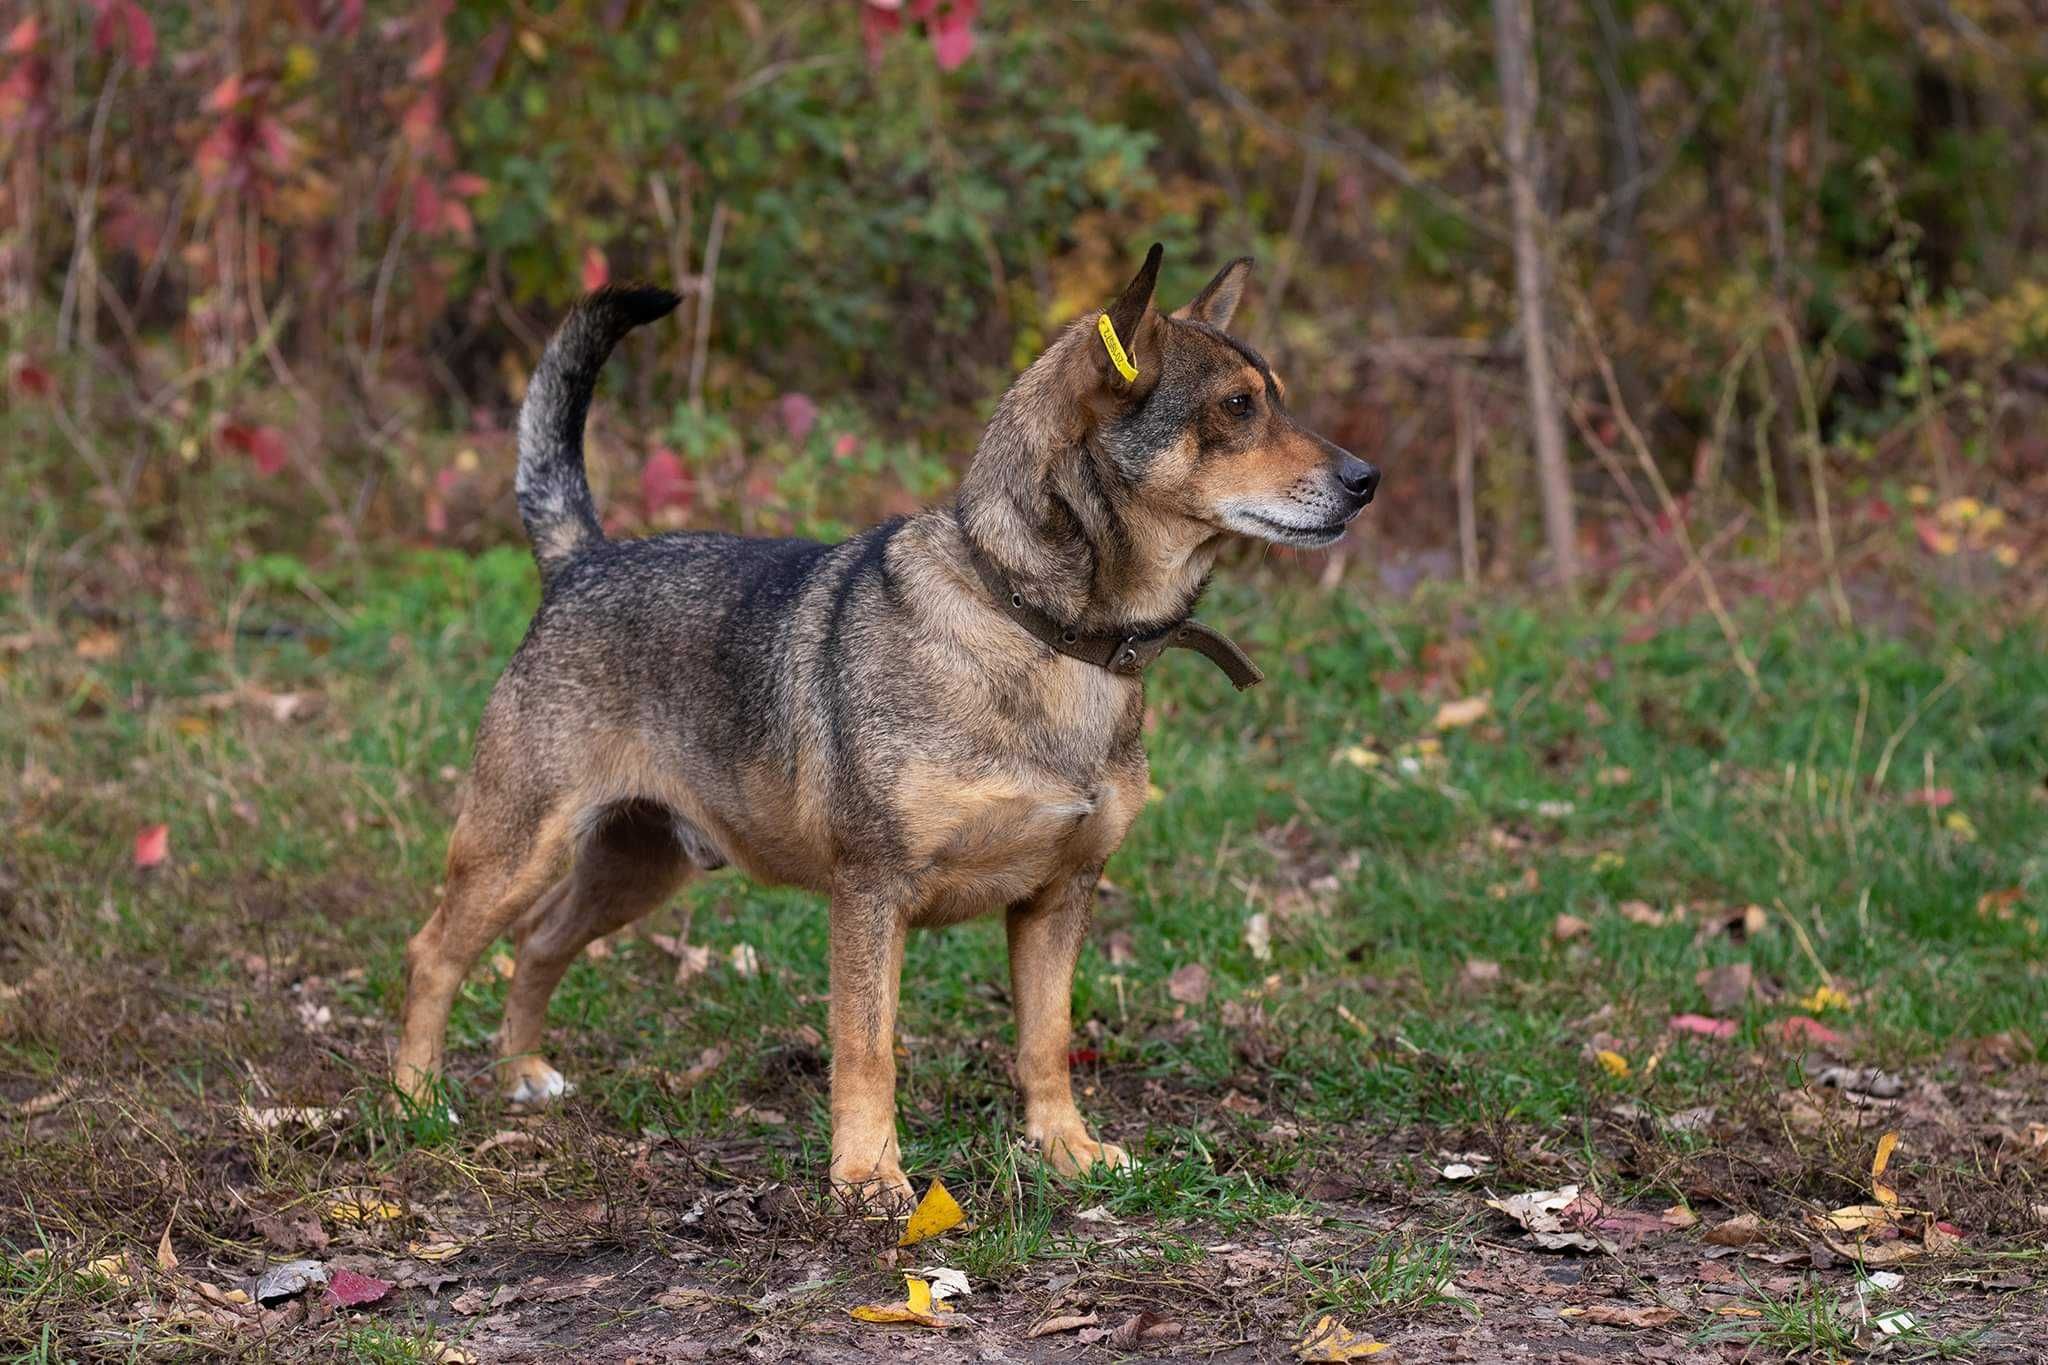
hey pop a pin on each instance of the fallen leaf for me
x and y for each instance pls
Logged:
(946, 1282)
(1701, 1026)
(437, 1250)
(1190, 984)
(1100, 1214)
(167, 1259)
(97, 645)
(1330, 1340)
(270, 1120)
(441, 1353)
(1258, 937)
(1885, 1194)
(1070, 1322)
(288, 1280)
(1824, 998)
(1542, 1214)
(745, 961)
(1616, 1315)
(1999, 904)
(1804, 1028)
(112, 1269)
(364, 1208)
(1140, 1327)
(1459, 1170)
(1855, 1218)
(152, 845)
(1727, 986)
(1565, 928)
(347, 1289)
(916, 1306)
(1739, 1231)
(1456, 715)
(1479, 972)
(1612, 1062)
(1934, 798)
(937, 1212)
(1121, 947)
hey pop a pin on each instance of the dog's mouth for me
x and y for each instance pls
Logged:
(1307, 537)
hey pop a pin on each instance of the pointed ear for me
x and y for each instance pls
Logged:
(1130, 307)
(1219, 298)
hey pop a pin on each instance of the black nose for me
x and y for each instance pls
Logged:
(1358, 477)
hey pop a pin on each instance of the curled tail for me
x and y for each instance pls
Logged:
(554, 493)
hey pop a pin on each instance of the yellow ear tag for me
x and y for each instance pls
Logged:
(1115, 348)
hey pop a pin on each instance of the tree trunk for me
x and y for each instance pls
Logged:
(1514, 56)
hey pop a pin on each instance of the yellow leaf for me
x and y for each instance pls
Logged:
(1824, 998)
(1607, 860)
(916, 1306)
(1154, 792)
(1456, 715)
(112, 1269)
(937, 1212)
(1358, 756)
(1959, 511)
(368, 1208)
(1960, 825)
(432, 1251)
(1612, 1062)
(1885, 1194)
(1856, 1218)
(444, 1354)
(2006, 555)
(1331, 1340)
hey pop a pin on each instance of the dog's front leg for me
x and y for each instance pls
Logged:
(1045, 940)
(870, 917)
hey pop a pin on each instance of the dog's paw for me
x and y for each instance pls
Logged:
(881, 1187)
(1076, 1153)
(531, 1081)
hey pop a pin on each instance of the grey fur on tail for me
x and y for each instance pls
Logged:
(554, 492)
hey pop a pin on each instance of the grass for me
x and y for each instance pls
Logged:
(1418, 995)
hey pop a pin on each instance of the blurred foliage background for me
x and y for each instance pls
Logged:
(274, 270)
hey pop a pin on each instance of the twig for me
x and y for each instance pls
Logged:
(1664, 498)
(1465, 439)
(714, 242)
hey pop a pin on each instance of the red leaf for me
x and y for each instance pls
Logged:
(1934, 798)
(664, 483)
(152, 845)
(141, 36)
(267, 449)
(1702, 1026)
(23, 36)
(223, 97)
(877, 22)
(1083, 1056)
(799, 414)
(421, 120)
(346, 1289)
(846, 447)
(1801, 1028)
(33, 379)
(596, 270)
(952, 38)
(426, 205)
(432, 60)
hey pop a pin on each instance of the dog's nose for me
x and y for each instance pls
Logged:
(1358, 477)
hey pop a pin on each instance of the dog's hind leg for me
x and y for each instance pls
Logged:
(501, 857)
(628, 866)
(1045, 941)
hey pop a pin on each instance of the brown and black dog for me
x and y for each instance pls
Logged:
(937, 719)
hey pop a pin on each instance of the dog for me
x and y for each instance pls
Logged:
(937, 719)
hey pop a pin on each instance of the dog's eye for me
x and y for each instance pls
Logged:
(1238, 405)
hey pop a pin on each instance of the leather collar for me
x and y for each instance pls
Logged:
(1128, 655)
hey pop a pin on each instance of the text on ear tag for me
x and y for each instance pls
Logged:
(1115, 348)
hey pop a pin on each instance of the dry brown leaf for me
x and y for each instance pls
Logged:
(1618, 1315)
(1456, 715)
(1727, 986)
(1565, 928)
(1189, 984)
(1071, 1322)
(1738, 1231)
(1641, 912)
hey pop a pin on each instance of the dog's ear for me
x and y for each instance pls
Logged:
(1129, 314)
(1219, 298)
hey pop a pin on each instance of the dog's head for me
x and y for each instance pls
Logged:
(1203, 431)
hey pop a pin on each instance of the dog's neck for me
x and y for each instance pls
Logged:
(1046, 505)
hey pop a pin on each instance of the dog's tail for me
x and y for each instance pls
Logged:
(554, 492)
